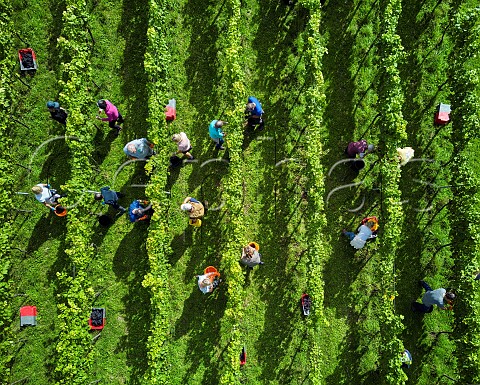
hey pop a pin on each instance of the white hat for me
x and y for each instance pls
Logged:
(186, 207)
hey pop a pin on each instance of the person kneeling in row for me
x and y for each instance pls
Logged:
(209, 280)
(366, 231)
(140, 210)
(111, 198)
(254, 113)
(139, 149)
(194, 209)
(250, 255)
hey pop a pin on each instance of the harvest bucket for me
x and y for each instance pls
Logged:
(210, 269)
(195, 222)
(60, 211)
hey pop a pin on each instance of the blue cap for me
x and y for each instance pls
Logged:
(51, 104)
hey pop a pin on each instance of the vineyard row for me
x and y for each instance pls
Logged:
(73, 358)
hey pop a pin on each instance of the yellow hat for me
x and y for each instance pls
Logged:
(195, 222)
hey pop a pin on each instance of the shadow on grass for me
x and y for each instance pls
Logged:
(103, 141)
(47, 228)
(55, 28)
(280, 346)
(202, 64)
(281, 227)
(347, 269)
(130, 265)
(200, 320)
(340, 87)
(420, 71)
(203, 75)
(133, 28)
(55, 170)
(424, 75)
(62, 263)
(275, 43)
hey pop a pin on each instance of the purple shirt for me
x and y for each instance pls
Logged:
(355, 148)
(111, 112)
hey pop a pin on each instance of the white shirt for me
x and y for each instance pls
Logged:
(45, 196)
(364, 232)
(184, 144)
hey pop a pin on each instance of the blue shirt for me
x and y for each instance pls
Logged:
(109, 196)
(258, 107)
(364, 232)
(434, 297)
(134, 205)
(142, 147)
(215, 132)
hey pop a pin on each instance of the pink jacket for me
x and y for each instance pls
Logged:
(111, 111)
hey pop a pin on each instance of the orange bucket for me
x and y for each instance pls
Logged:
(210, 269)
(60, 211)
(255, 245)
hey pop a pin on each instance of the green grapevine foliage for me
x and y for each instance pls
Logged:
(465, 213)
(316, 223)
(73, 349)
(157, 59)
(7, 95)
(393, 135)
(234, 228)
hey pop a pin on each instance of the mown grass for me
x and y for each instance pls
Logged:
(38, 238)
(273, 196)
(425, 253)
(117, 61)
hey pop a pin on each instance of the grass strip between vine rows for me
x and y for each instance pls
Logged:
(7, 95)
(156, 63)
(393, 135)
(316, 222)
(73, 359)
(465, 216)
(234, 228)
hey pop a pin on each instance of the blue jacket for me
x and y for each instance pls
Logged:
(134, 205)
(258, 107)
(109, 196)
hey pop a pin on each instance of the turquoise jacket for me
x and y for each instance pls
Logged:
(215, 132)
